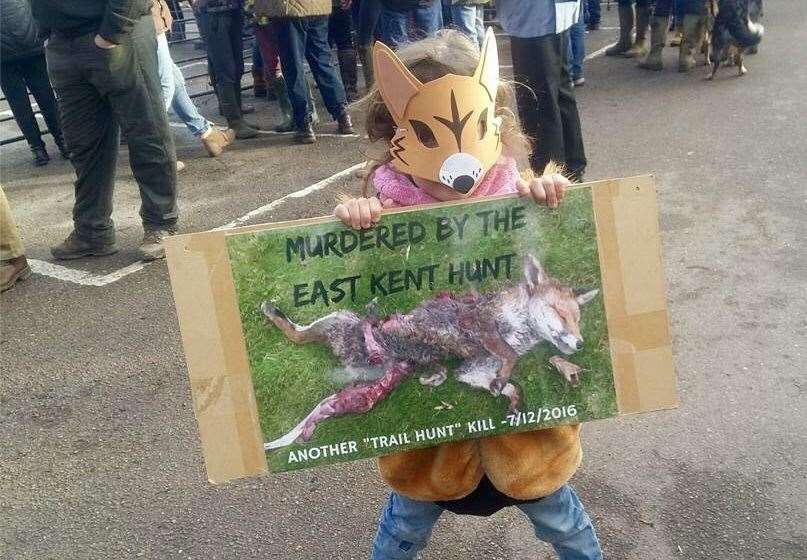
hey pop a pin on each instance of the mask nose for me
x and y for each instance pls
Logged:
(463, 183)
(461, 172)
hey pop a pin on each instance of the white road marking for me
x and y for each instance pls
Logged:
(82, 277)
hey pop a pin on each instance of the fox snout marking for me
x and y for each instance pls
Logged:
(460, 172)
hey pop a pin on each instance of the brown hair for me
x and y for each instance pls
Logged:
(447, 52)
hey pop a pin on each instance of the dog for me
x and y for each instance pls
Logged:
(736, 30)
(487, 332)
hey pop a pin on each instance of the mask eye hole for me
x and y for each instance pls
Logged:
(424, 133)
(482, 125)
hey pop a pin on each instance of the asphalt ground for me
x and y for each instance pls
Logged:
(100, 457)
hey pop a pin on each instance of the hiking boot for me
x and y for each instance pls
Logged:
(304, 134)
(348, 69)
(658, 36)
(639, 47)
(75, 248)
(151, 249)
(626, 20)
(345, 124)
(13, 271)
(216, 139)
(694, 27)
(41, 156)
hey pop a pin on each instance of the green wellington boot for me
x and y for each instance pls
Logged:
(626, 20)
(658, 36)
(231, 108)
(639, 48)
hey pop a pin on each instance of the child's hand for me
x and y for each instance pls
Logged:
(359, 213)
(549, 189)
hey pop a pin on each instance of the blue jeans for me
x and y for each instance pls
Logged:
(593, 10)
(394, 25)
(307, 38)
(175, 96)
(577, 47)
(469, 20)
(558, 519)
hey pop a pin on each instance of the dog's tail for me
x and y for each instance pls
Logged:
(746, 32)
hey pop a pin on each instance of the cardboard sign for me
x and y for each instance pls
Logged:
(309, 343)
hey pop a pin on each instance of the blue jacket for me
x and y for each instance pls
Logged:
(535, 18)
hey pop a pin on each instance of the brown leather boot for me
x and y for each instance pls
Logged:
(13, 271)
(216, 139)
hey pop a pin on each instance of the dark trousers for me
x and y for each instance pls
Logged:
(16, 78)
(225, 46)
(340, 28)
(103, 91)
(594, 11)
(547, 106)
(664, 8)
(369, 12)
(307, 38)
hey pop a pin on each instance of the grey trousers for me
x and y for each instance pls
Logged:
(100, 93)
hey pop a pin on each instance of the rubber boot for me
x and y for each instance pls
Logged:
(694, 26)
(658, 36)
(246, 109)
(626, 20)
(231, 109)
(639, 47)
(366, 56)
(349, 71)
(282, 94)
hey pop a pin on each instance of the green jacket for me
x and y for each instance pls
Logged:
(291, 8)
(109, 18)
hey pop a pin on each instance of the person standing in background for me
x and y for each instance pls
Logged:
(539, 36)
(468, 16)
(221, 23)
(102, 62)
(175, 93)
(594, 15)
(302, 34)
(23, 67)
(577, 47)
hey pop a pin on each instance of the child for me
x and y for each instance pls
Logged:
(427, 96)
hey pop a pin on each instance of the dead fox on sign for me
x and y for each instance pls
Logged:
(488, 332)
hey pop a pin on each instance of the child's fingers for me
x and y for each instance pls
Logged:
(375, 209)
(364, 213)
(562, 183)
(388, 203)
(522, 187)
(550, 192)
(355, 213)
(342, 213)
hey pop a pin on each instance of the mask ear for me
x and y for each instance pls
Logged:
(534, 273)
(395, 82)
(488, 70)
(583, 299)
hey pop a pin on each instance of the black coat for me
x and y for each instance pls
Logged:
(18, 33)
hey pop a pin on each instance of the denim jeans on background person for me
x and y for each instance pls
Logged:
(469, 20)
(394, 26)
(558, 519)
(577, 47)
(306, 38)
(175, 94)
(368, 17)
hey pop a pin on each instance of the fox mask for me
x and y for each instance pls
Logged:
(447, 130)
